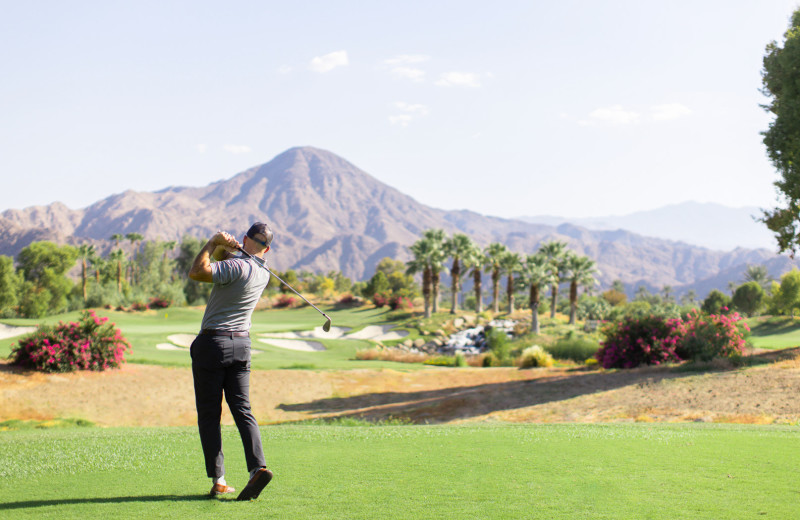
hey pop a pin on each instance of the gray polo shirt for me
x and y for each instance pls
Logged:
(238, 284)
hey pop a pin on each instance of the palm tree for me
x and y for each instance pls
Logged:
(85, 253)
(555, 251)
(758, 274)
(117, 238)
(494, 253)
(689, 298)
(510, 263)
(536, 273)
(476, 260)
(134, 238)
(421, 264)
(457, 248)
(667, 292)
(580, 271)
(438, 255)
(118, 255)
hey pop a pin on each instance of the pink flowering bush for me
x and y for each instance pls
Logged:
(653, 340)
(284, 301)
(635, 341)
(91, 343)
(400, 302)
(159, 303)
(380, 299)
(705, 337)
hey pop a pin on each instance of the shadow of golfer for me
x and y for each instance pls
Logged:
(27, 504)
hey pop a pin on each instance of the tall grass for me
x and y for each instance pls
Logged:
(573, 348)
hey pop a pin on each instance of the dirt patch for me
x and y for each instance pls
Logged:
(155, 396)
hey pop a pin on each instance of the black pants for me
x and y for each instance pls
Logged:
(222, 364)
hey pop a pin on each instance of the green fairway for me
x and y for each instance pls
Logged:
(146, 330)
(488, 471)
(774, 332)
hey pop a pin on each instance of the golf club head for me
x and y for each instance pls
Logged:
(327, 326)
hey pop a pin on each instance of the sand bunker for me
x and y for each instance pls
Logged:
(317, 333)
(378, 333)
(169, 346)
(182, 340)
(294, 344)
(9, 331)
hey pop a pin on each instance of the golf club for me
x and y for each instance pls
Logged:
(327, 326)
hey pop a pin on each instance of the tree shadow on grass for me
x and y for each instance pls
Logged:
(27, 504)
(448, 404)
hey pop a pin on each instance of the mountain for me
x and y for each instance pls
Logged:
(702, 224)
(327, 214)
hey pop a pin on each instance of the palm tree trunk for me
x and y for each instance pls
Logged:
(119, 276)
(456, 272)
(476, 277)
(426, 290)
(534, 302)
(496, 291)
(554, 298)
(573, 301)
(510, 290)
(435, 280)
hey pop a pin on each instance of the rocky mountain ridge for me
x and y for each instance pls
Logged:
(327, 214)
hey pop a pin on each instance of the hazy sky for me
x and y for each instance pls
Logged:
(508, 108)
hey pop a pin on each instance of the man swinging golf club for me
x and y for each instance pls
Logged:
(221, 352)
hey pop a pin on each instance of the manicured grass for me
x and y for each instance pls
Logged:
(774, 332)
(625, 471)
(145, 330)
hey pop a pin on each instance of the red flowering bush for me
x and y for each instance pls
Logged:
(88, 344)
(284, 301)
(159, 303)
(380, 299)
(653, 340)
(649, 340)
(399, 302)
(705, 337)
(138, 306)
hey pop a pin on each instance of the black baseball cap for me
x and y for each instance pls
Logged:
(259, 228)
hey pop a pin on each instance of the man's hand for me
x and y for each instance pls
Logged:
(218, 246)
(224, 243)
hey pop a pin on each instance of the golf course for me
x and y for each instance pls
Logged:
(349, 438)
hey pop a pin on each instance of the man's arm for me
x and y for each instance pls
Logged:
(218, 246)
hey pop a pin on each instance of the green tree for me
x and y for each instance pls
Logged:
(86, 253)
(9, 286)
(438, 255)
(536, 273)
(716, 302)
(457, 247)
(748, 298)
(556, 253)
(510, 263)
(117, 256)
(475, 261)
(494, 253)
(787, 298)
(781, 81)
(378, 284)
(580, 271)
(44, 266)
(759, 274)
(135, 239)
(194, 292)
(421, 263)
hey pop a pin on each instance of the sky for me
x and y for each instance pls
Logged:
(507, 108)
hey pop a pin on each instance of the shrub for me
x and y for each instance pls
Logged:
(138, 306)
(440, 361)
(159, 303)
(705, 337)
(460, 360)
(380, 299)
(284, 301)
(574, 348)
(635, 341)
(400, 302)
(348, 299)
(88, 344)
(498, 344)
(535, 356)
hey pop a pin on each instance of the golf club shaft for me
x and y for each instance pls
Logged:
(262, 264)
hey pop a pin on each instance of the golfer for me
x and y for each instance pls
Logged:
(221, 352)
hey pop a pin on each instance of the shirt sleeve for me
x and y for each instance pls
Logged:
(226, 271)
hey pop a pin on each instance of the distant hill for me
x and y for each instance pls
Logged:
(328, 214)
(703, 224)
